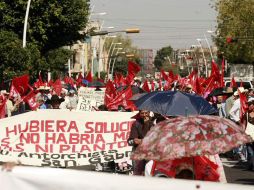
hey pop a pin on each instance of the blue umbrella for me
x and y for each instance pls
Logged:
(174, 103)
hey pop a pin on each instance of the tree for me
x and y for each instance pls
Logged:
(16, 60)
(163, 55)
(52, 24)
(235, 34)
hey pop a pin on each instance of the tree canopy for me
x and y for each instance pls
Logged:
(162, 56)
(234, 35)
(51, 24)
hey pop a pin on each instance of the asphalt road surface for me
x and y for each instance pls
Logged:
(236, 172)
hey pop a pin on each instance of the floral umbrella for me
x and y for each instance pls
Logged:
(190, 136)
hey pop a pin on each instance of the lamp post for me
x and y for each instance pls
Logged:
(111, 53)
(25, 23)
(113, 65)
(203, 53)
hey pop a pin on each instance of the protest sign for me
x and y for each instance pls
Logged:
(28, 178)
(90, 99)
(62, 138)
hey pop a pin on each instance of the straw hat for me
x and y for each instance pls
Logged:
(241, 90)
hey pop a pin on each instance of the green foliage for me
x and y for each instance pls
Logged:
(13, 58)
(235, 20)
(162, 57)
(52, 24)
(57, 59)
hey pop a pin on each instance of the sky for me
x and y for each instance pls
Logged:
(178, 23)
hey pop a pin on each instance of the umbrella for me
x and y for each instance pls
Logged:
(134, 89)
(174, 103)
(137, 96)
(221, 91)
(190, 136)
(96, 84)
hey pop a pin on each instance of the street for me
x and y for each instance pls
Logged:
(236, 172)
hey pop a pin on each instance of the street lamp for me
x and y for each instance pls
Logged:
(104, 32)
(111, 53)
(203, 53)
(113, 65)
(25, 23)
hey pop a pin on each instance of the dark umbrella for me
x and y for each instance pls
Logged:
(134, 89)
(137, 96)
(96, 84)
(221, 91)
(174, 103)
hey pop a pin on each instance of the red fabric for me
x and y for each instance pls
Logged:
(243, 105)
(57, 86)
(198, 88)
(21, 84)
(122, 99)
(39, 82)
(152, 85)
(69, 80)
(133, 68)
(233, 83)
(79, 79)
(222, 82)
(145, 86)
(30, 99)
(203, 168)
(119, 80)
(215, 71)
(110, 92)
(171, 75)
(14, 92)
(89, 76)
(164, 75)
(2, 106)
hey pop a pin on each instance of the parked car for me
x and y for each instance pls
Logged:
(245, 84)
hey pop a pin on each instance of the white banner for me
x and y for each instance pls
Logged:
(31, 178)
(63, 138)
(90, 99)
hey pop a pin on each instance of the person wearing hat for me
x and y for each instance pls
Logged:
(188, 88)
(55, 102)
(71, 101)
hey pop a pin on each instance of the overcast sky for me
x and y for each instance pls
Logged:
(162, 22)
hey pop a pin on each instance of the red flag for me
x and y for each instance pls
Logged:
(14, 92)
(152, 85)
(79, 79)
(119, 80)
(171, 75)
(243, 106)
(30, 99)
(198, 88)
(122, 99)
(145, 86)
(164, 75)
(233, 83)
(110, 92)
(21, 84)
(89, 76)
(69, 80)
(222, 82)
(215, 70)
(2, 106)
(133, 68)
(57, 86)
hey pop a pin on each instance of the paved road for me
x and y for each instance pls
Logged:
(236, 172)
